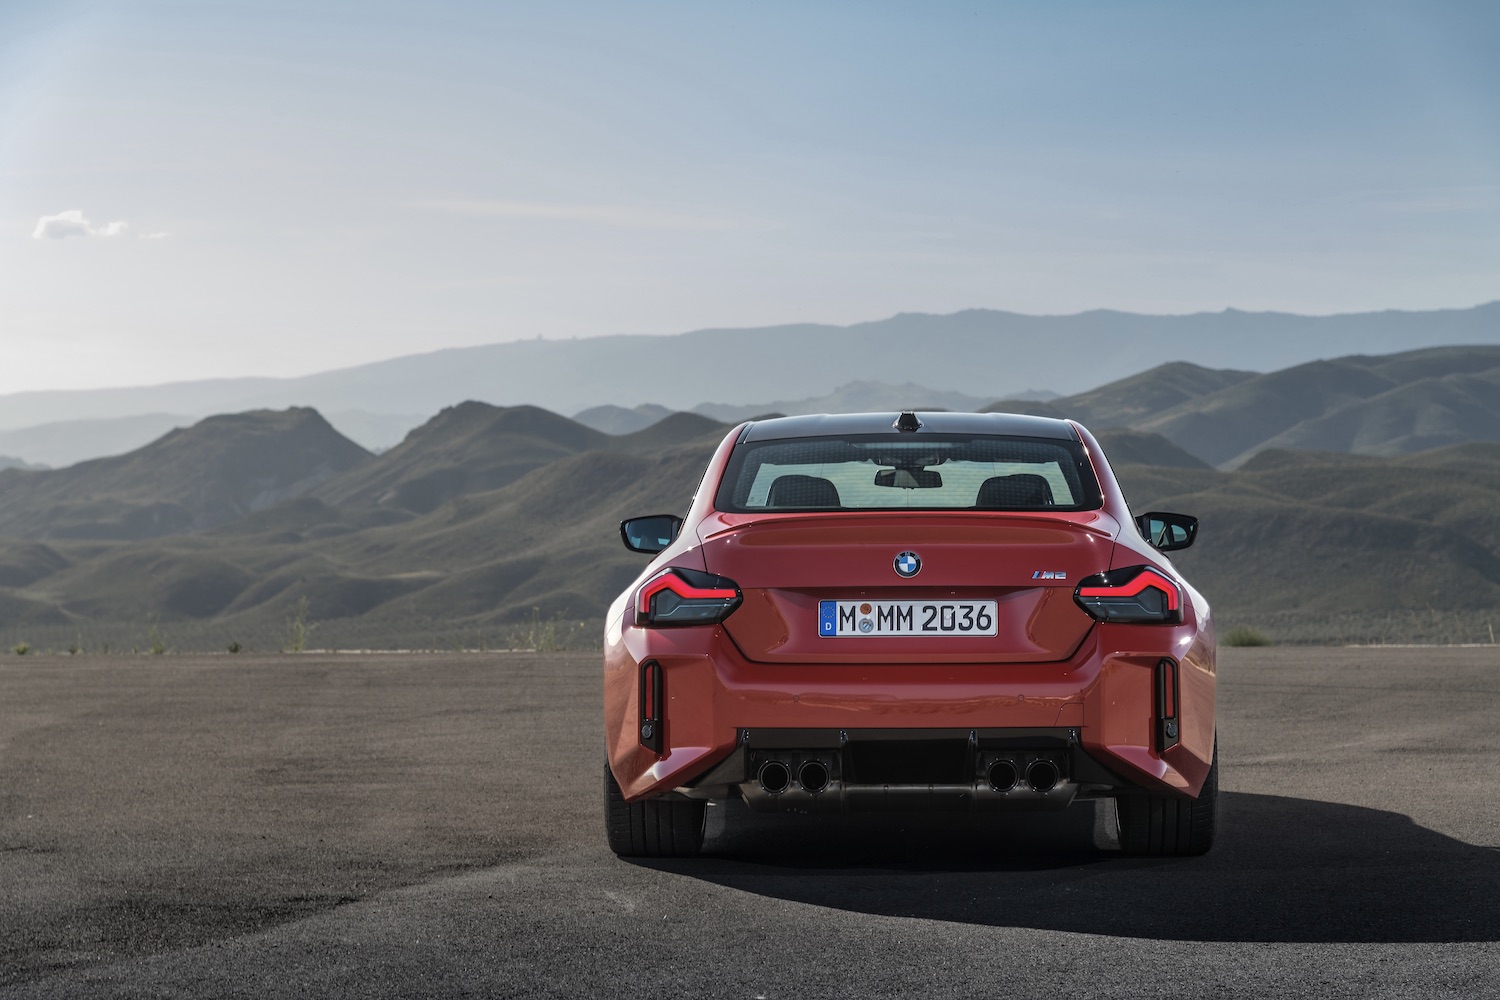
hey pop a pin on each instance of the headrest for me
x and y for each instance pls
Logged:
(1023, 490)
(802, 491)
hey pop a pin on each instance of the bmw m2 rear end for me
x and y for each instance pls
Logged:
(934, 611)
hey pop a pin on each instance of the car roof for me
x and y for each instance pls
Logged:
(935, 422)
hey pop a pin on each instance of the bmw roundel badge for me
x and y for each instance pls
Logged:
(908, 564)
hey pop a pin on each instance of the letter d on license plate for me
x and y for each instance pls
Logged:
(870, 619)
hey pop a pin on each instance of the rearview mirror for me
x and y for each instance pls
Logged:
(650, 534)
(1166, 531)
(910, 479)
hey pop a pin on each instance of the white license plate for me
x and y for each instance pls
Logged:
(862, 619)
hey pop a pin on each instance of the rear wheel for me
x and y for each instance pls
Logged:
(1167, 826)
(651, 828)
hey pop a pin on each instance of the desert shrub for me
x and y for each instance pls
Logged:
(1243, 635)
(154, 639)
(21, 648)
(297, 627)
(546, 636)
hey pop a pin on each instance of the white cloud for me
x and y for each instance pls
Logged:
(72, 223)
(152, 236)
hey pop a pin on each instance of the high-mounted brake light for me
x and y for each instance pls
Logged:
(1133, 595)
(685, 597)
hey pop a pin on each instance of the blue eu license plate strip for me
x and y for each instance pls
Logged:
(874, 619)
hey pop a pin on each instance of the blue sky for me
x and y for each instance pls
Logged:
(197, 189)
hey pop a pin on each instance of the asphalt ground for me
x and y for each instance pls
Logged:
(431, 825)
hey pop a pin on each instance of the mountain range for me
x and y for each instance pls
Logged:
(980, 354)
(1384, 405)
(497, 525)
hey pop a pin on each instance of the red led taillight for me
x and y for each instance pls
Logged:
(1133, 595)
(685, 597)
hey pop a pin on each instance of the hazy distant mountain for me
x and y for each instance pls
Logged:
(212, 473)
(9, 462)
(852, 397)
(671, 431)
(68, 441)
(375, 431)
(979, 353)
(613, 419)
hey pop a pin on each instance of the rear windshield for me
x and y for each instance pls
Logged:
(886, 472)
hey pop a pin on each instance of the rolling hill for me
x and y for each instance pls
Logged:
(212, 473)
(1343, 547)
(1305, 546)
(1385, 405)
(475, 447)
(497, 525)
(1129, 401)
(467, 448)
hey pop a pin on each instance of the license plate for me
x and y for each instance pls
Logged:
(869, 619)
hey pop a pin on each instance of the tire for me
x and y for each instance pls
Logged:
(1168, 826)
(651, 828)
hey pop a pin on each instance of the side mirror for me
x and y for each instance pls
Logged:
(650, 534)
(1168, 532)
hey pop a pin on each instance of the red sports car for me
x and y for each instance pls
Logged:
(909, 611)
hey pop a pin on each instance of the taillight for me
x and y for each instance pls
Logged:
(685, 597)
(1133, 595)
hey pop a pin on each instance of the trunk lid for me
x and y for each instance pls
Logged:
(1028, 563)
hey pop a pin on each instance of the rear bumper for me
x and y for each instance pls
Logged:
(1102, 701)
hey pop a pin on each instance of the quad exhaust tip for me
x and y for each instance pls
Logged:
(1042, 775)
(812, 776)
(774, 777)
(1002, 775)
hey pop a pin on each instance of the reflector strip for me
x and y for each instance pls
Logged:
(1167, 729)
(650, 704)
(1166, 695)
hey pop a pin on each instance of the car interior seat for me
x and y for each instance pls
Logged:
(1024, 491)
(802, 491)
